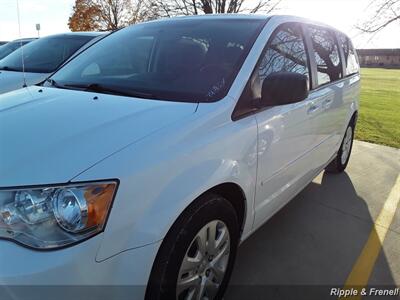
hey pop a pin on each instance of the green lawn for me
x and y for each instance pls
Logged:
(379, 116)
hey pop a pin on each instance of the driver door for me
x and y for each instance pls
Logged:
(286, 137)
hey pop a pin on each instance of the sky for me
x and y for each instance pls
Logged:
(342, 14)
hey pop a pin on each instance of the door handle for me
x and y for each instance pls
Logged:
(328, 101)
(313, 108)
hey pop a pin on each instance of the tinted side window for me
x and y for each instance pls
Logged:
(350, 56)
(326, 54)
(285, 52)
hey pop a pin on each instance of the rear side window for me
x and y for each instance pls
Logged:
(350, 57)
(285, 52)
(326, 53)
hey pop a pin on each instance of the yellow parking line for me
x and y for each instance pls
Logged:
(364, 265)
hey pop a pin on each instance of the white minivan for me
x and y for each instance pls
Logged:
(148, 158)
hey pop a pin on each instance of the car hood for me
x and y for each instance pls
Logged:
(10, 81)
(50, 135)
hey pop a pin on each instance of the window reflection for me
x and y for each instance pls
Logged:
(326, 55)
(351, 62)
(285, 53)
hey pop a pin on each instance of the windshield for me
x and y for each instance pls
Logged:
(10, 48)
(182, 60)
(44, 55)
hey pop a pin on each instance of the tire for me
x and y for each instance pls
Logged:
(182, 243)
(339, 163)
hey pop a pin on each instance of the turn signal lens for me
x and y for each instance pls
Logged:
(98, 201)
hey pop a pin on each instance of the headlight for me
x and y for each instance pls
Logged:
(52, 217)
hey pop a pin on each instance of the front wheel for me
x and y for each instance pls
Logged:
(342, 158)
(196, 258)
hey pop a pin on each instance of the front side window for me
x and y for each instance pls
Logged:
(285, 52)
(350, 56)
(182, 60)
(326, 53)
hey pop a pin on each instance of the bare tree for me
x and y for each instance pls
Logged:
(169, 8)
(114, 14)
(144, 10)
(384, 12)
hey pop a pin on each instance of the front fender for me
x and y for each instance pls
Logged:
(163, 174)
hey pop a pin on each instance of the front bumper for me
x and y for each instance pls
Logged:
(74, 273)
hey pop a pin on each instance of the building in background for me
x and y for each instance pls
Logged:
(379, 57)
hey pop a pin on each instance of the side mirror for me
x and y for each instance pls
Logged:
(284, 88)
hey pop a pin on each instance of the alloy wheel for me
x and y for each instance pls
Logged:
(205, 263)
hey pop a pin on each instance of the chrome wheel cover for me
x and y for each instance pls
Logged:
(205, 263)
(346, 147)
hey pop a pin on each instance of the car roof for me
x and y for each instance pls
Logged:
(78, 33)
(215, 17)
(289, 18)
(293, 18)
(24, 40)
(234, 16)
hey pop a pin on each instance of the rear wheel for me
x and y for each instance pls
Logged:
(195, 260)
(341, 160)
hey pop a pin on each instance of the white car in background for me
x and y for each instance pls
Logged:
(146, 160)
(41, 58)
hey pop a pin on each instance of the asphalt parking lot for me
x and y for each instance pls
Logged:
(328, 235)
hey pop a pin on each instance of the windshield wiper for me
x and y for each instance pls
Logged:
(5, 68)
(100, 88)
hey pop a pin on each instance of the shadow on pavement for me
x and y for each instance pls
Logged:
(308, 247)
